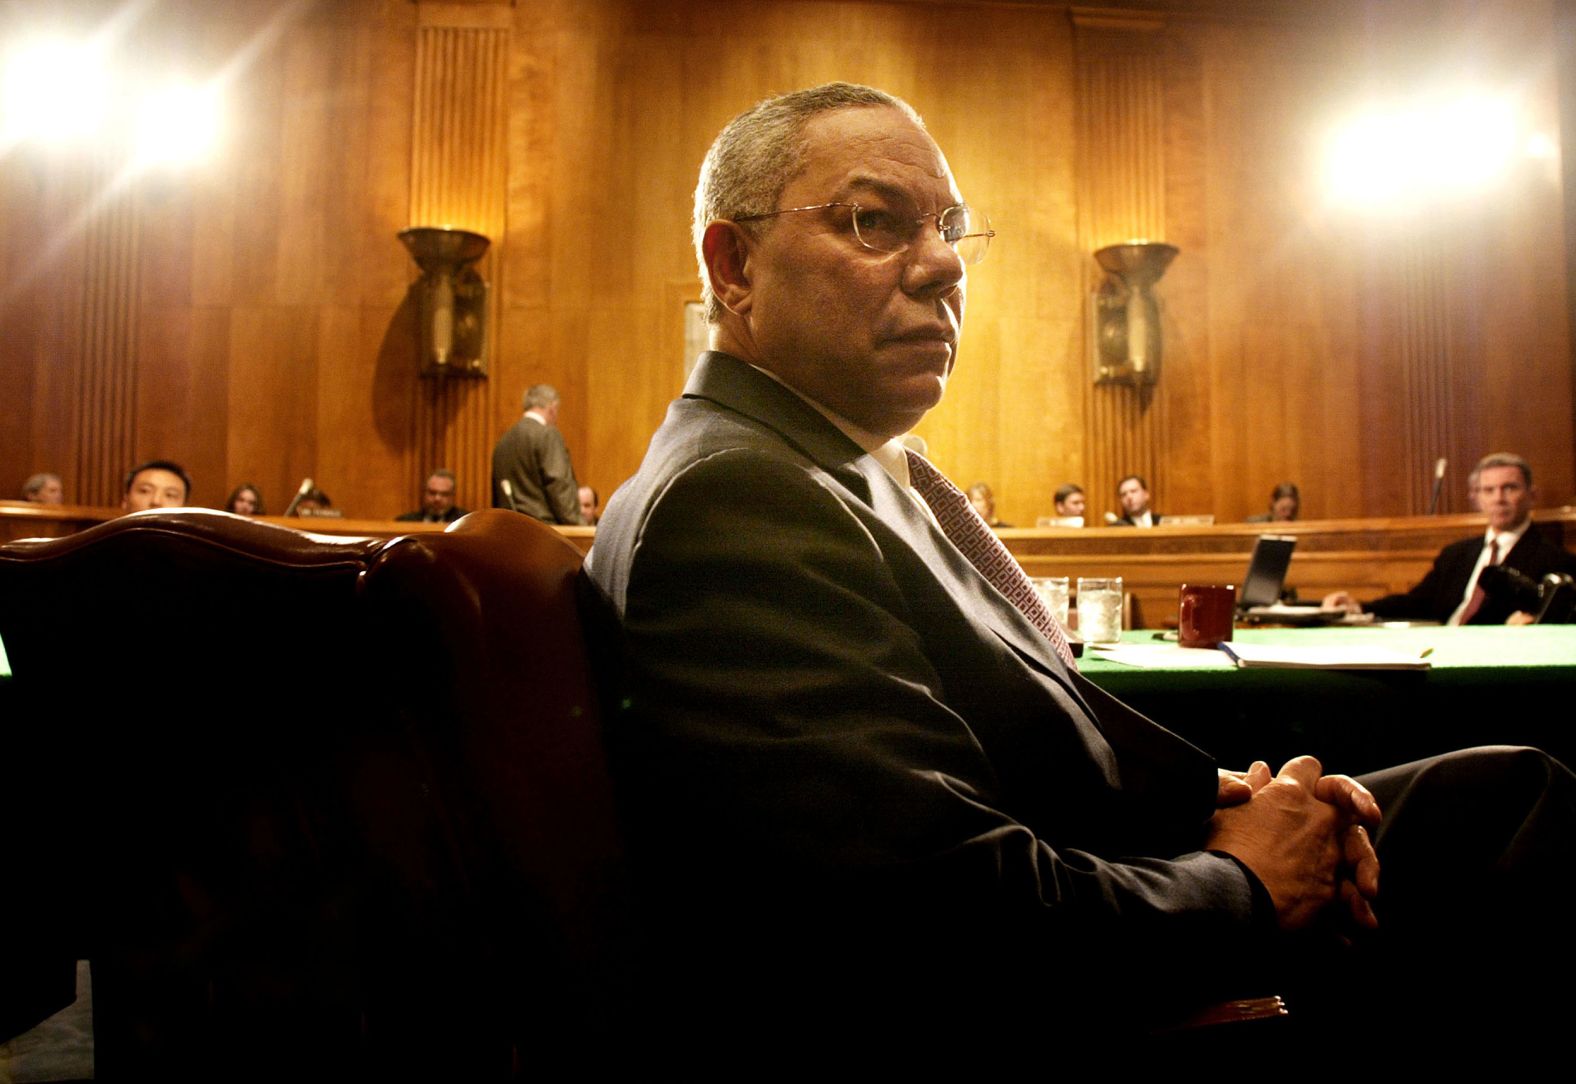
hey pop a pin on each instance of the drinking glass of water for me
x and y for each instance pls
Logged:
(1100, 609)
(1053, 592)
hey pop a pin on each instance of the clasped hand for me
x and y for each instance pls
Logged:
(1305, 835)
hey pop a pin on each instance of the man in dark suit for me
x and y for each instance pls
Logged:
(1132, 493)
(437, 500)
(531, 472)
(1450, 593)
(869, 797)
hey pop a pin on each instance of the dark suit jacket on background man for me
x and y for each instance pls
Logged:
(1438, 594)
(533, 457)
(1503, 491)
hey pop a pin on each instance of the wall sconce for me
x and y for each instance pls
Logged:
(1124, 315)
(453, 299)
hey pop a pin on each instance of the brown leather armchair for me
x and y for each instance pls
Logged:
(309, 804)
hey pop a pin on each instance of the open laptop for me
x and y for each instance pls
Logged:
(1266, 578)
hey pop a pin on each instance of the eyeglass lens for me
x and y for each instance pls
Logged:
(894, 231)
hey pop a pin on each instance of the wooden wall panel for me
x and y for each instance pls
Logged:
(106, 388)
(249, 317)
(1121, 160)
(1427, 360)
(1013, 414)
(183, 394)
(1282, 295)
(459, 177)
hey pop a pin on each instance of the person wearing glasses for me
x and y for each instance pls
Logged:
(874, 812)
(437, 500)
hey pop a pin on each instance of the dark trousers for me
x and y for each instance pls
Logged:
(1477, 942)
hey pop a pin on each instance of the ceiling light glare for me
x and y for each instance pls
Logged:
(1540, 146)
(1400, 156)
(1368, 161)
(177, 125)
(1472, 140)
(53, 92)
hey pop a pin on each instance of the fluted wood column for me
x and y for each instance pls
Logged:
(1427, 362)
(105, 345)
(1121, 186)
(459, 178)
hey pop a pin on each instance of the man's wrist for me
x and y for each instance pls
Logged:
(1264, 918)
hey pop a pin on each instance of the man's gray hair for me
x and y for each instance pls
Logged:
(759, 152)
(444, 472)
(36, 482)
(540, 396)
(1503, 459)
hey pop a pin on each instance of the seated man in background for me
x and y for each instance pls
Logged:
(590, 506)
(158, 483)
(873, 810)
(1454, 591)
(437, 501)
(44, 488)
(1133, 493)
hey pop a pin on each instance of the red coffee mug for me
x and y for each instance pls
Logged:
(1205, 613)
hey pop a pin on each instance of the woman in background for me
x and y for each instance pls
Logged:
(246, 500)
(1284, 503)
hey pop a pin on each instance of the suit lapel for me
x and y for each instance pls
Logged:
(737, 386)
(1524, 549)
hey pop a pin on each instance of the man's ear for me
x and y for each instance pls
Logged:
(726, 248)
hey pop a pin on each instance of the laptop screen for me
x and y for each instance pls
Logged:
(1267, 570)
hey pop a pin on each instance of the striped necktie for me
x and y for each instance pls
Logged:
(975, 540)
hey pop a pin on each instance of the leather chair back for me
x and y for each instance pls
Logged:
(310, 802)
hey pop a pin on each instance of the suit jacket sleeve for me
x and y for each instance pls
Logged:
(787, 738)
(1440, 590)
(558, 478)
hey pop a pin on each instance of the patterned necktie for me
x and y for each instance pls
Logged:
(1475, 603)
(975, 540)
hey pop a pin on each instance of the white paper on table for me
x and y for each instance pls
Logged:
(1163, 656)
(1339, 657)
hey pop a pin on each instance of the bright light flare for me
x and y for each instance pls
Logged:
(53, 92)
(1442, 148)
(1541, 146)
(177, 125)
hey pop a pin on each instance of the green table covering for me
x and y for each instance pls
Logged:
(1486, 685)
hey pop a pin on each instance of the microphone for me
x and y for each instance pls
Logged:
(1558, 592)
(1439, 481)
(508, 492)
(1552, 600)
(1512, 583)
(300, 495)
